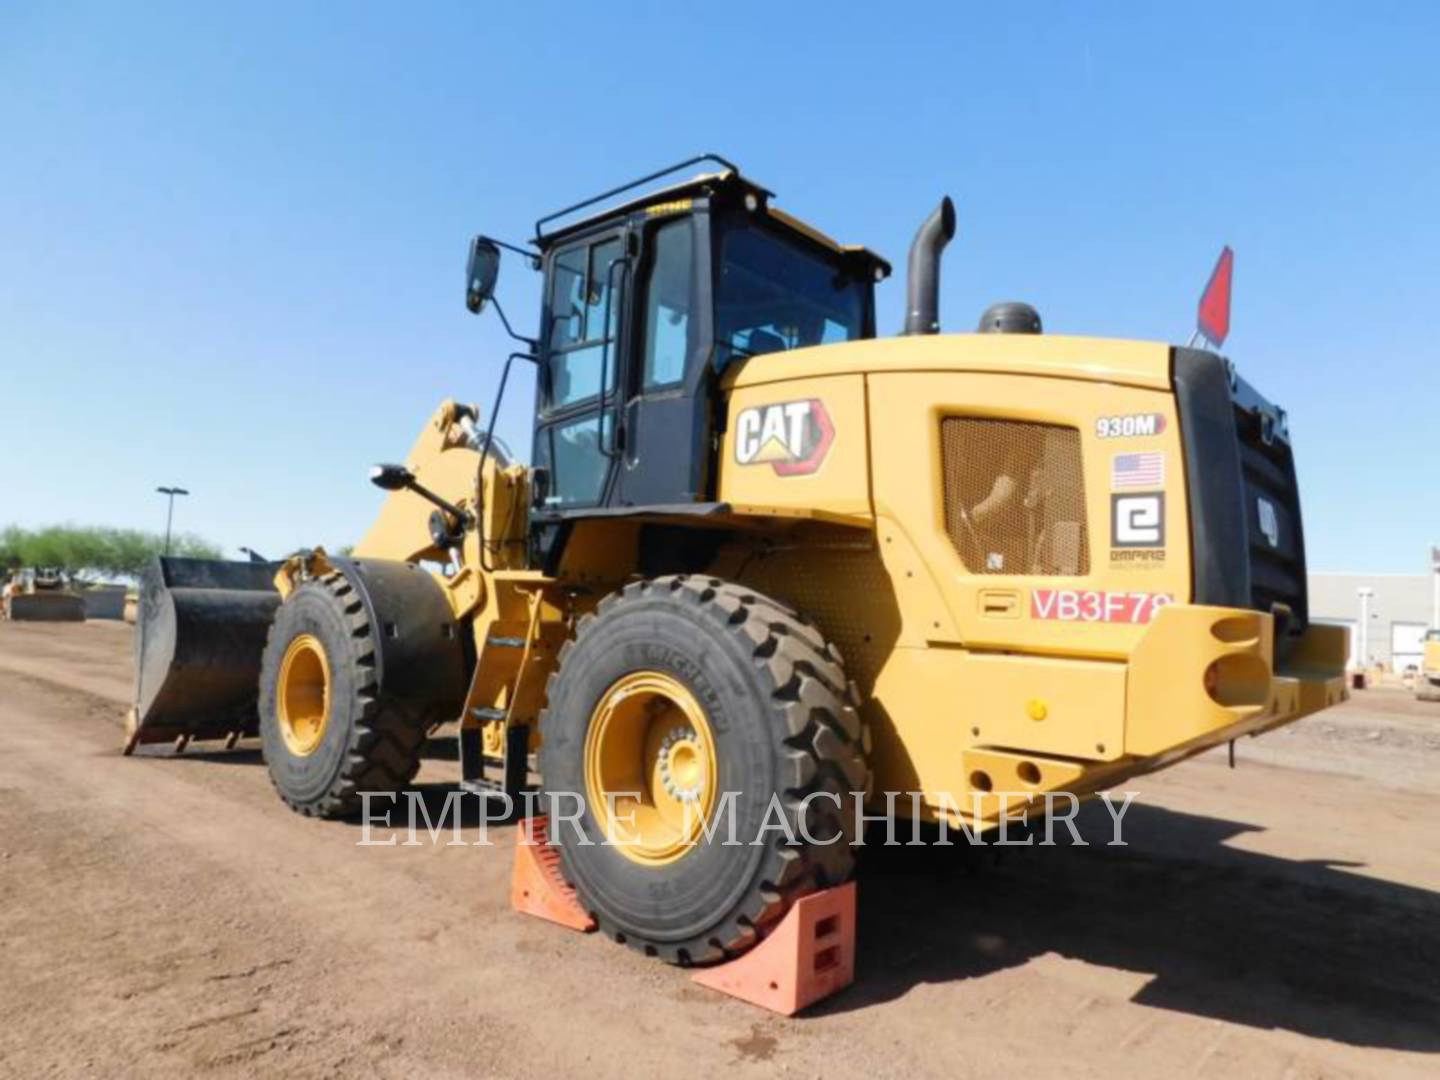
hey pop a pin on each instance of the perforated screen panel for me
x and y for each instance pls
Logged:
(1015, 496)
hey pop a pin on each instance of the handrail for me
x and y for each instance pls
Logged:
(604, 395)
(548, 218)
(485, 450)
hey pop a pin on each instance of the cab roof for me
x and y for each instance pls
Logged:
(676, 197)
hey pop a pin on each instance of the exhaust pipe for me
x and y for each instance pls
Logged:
(922, 297)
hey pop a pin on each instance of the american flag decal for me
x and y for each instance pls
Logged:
(1138, 471)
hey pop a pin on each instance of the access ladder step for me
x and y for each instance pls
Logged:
(514, 764)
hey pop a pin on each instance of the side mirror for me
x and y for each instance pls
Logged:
(481, 270)
(391, 477)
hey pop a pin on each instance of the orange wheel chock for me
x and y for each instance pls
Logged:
(809, 956)
(536, 886)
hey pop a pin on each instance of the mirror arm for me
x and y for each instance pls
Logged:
(394, 478)
(532, 259)
(530, 343)
(464, 517)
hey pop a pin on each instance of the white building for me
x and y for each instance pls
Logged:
(1400, 608)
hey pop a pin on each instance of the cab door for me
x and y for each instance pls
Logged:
(667, 416)
(575, 422)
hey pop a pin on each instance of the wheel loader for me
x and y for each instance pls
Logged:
(765, 561)
(41, 594)
(1427, 679)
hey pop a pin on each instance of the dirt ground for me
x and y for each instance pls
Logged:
(169, 916)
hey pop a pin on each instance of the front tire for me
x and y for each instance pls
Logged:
(683, 689)
(326, 732)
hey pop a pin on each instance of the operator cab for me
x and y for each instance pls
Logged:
(646, 304)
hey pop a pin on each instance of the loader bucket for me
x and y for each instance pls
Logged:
(45, 607)
(200, 632)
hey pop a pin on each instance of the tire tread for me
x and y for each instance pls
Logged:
(821, 743)
(386, 739)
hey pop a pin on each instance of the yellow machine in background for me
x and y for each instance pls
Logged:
(765, 558)
(1427, 681)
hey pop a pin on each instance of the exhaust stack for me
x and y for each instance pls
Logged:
(922, 297)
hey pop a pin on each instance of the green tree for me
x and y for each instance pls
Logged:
(94, 551)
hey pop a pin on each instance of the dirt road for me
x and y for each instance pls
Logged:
(168, 916)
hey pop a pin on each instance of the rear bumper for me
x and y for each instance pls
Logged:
(1200, 676)
(1205, 675)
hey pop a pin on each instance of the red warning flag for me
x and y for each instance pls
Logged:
(1213, 318)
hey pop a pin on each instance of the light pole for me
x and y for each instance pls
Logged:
(170, 513)
(1435, 599)
(1365, 593)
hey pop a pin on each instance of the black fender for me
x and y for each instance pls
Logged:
(420, 655)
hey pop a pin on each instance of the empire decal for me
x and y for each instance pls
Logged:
(1137, 521)
(1137, 558)
(792, 437)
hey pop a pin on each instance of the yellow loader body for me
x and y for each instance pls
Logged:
(839, 472)
(996, 677)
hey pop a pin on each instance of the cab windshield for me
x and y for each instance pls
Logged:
(775, 294)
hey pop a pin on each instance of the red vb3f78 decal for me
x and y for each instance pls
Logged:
(1092, 605)
(792, 437)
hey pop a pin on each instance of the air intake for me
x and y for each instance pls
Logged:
(1010, 317)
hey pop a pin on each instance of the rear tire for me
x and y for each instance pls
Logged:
(779, 723)
(326, 732)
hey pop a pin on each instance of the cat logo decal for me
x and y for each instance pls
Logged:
(792, 437)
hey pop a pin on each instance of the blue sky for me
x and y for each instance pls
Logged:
(232, 237)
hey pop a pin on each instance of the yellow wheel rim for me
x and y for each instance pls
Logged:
(302, 699)
(650, 767)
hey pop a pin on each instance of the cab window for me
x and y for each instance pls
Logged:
(668, 304)
(773, 294)
(571, 451)
(583, 316)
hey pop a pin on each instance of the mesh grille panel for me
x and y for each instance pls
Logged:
(1015, 496)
